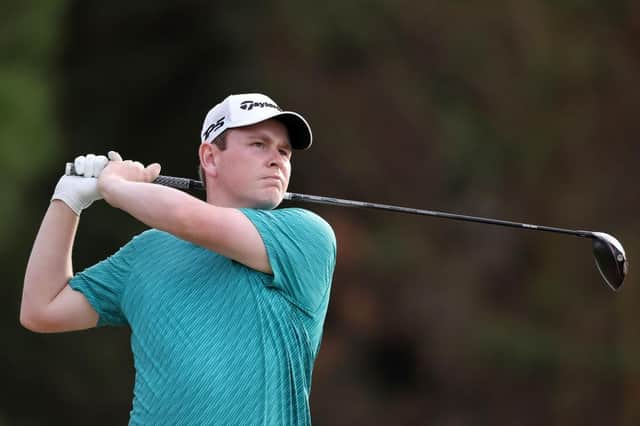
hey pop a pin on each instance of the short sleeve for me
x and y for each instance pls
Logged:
(103, 284)
(301, 248)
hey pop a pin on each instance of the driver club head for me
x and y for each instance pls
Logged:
(610, 258)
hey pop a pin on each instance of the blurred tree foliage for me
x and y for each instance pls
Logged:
(29, 38)
(522, 109)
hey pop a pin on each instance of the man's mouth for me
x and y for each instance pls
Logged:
(277, 179)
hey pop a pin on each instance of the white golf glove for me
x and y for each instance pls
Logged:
(79, 192)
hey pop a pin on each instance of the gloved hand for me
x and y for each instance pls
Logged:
(79, 192)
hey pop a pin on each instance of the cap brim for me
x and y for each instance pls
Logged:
(300, 135)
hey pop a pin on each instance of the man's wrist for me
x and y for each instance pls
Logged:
(65, 203)
(108, 188)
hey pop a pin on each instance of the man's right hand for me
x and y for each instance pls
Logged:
(79, 192)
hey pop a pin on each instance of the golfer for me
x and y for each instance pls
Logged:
(225, 299)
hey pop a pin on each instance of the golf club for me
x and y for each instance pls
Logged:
(608, 253)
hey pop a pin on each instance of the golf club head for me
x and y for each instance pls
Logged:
(611, 259)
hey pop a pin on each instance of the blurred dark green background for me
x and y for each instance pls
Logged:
(524, 110)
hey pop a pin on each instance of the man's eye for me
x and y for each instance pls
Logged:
(285, 153)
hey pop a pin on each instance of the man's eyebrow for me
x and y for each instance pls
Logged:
(258, 134)
(265, 136)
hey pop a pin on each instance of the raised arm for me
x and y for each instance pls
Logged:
(48, 303)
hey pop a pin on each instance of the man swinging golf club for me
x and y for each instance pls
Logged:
(225, 299)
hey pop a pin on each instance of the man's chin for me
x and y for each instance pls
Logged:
(269, 203)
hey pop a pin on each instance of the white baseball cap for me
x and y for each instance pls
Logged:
(251, 108)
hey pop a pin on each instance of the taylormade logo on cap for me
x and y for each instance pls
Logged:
(248, 105)
(252, 108)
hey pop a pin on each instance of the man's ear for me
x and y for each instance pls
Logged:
(208, 153)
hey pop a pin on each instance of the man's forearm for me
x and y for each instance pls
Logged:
(49, 267)
(154, 205)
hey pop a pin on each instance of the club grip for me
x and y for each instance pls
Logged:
(178, 182)
(173, 182)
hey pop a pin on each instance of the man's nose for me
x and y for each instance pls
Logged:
(275, 159)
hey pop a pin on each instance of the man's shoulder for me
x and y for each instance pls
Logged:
(153, 244)
(153, 236)
(301, 213)
(310, 217)
(295, 216)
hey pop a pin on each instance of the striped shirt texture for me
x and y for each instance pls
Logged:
(213, 341)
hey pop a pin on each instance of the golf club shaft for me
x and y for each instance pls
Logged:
(184, 183)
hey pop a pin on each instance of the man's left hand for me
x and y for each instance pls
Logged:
(125, 170)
